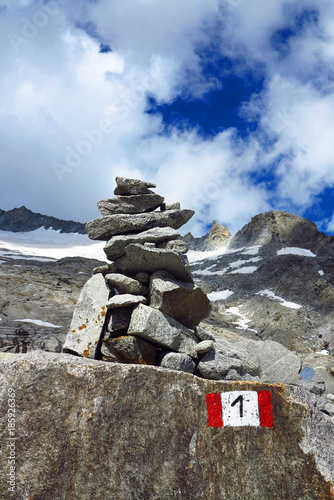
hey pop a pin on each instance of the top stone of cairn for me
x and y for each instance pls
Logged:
(132, 186)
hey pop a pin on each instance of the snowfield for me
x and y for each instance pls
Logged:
(48, 243)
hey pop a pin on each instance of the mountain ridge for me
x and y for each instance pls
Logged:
(24, 220)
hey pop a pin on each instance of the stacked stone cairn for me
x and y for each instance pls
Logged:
(142, 307)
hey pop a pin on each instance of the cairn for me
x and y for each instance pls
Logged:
(142, 307)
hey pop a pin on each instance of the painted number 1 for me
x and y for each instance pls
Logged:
(240, 400)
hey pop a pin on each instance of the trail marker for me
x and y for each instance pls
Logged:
(240, 408)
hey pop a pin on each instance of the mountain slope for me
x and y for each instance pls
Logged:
(22, 220)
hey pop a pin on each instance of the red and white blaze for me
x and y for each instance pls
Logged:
(240, 408)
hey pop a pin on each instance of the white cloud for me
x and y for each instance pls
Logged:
(73, 114)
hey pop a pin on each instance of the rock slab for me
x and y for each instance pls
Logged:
(87, 429)
(88, 318)
(110, 225)
(161, 329)
(186, 302)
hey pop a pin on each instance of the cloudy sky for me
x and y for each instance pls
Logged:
(227, 105)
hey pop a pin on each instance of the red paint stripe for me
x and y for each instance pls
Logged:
(214, 407)
(266, 409)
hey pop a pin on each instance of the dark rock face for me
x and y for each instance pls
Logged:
(88, 430)
(23, 219)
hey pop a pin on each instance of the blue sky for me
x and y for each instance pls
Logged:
(228, 105)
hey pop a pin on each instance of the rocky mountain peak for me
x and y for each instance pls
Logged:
(217, 237)
(22, 220)
(282, 228)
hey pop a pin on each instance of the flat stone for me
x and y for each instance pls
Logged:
(125, 300)
(185, 302)
(139, 258)
(174, 205)
(178, 361)
(127, 186)
(177, 245)
(118, 321)
(133, 204)
(204, 346)
(124, 284)
(204, 334)
(161, 329)
(128, 349)
(227, 361)
(105, 269)
(88, 318)
(115, 247)
(111, 225)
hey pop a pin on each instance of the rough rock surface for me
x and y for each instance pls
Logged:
(162, 330)
(87, 429)
(178, 361)
(88, 318)
(125, 300)
(228, 361)
(118, 321)
(140, 258)
(185, 302)
(127, 186)
(128, 349)
(106, 227)
(130, 204)
(115, 247)
(124, 284)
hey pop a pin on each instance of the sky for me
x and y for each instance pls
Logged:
(227, 105)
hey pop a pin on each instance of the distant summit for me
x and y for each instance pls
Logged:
(217, 237)
(282, 228)
(24, 220)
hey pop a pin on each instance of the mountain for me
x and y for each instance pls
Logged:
(22, 220)
(274, 280)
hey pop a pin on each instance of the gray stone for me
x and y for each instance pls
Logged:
(128, 349)
(203, 334)
(204, 346)
(105, 269)
(124, 284)
(185, 302)
(111, 225)
(161, 330)
(278, 364)
(125, 300)
(118, 321)
(224, 358)
(141, 432)
(139, 258)
(130, 204)
(115, 247)
(127, 186)
(143, 278)
(175, 205)
(177, 245)
(178, 361)
(88, 318)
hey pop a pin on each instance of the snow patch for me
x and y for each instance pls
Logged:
(205, 272)
(38, 322)
(221, 295)
(2, 261)
(242, 323)
(252, 250)
(245, 270)
(321, 272)
(296, 251)
(324, 352)
(50, 243)
(270, 294)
